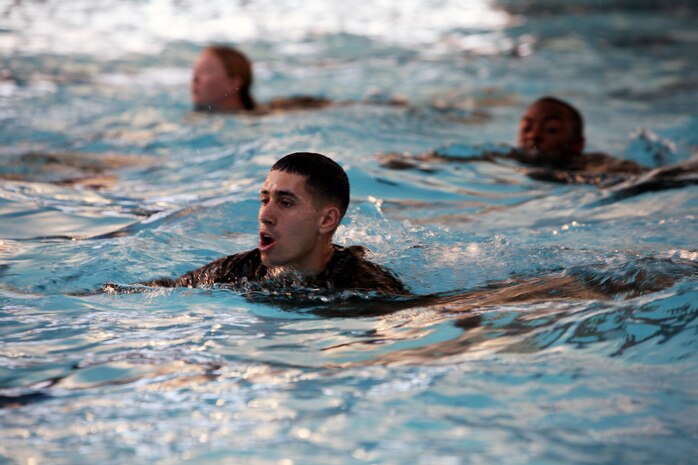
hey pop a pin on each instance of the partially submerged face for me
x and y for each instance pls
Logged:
(295, 228)
(211, 87)
(547, 131)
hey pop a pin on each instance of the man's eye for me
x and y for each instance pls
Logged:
(264, 201)
(285, 203)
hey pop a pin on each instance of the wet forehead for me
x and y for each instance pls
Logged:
(209, 60)
(544, 111)
(281, 182)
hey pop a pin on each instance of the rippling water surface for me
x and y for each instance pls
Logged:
(476, 374)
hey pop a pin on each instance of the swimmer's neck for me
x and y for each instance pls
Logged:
(229, 104)
(563, 159)
(312, 268)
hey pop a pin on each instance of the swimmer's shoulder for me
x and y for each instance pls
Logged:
(296, 102)
(349, 269)
(597, 162)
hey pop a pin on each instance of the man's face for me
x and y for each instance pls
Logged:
(290, 223)
(546, 129)
(210, 85)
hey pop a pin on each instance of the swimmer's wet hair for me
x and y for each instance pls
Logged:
(575, 115)
(325, 177)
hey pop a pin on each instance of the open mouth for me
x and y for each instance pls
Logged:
(265, 241)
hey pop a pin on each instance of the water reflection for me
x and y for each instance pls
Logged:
(579, 308)
(171, 21)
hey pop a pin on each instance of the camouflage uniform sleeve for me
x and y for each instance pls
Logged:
(604, 163)
(223, 270)
(206, 275)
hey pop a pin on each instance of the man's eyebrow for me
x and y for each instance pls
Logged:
(286, 194)
(551, 118)
(279, 193)
(545, 119)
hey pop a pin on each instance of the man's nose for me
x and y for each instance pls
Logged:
(536, 133)
(533, 138)
(266, 214)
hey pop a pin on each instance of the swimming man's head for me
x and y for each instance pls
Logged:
(303, 200)
(550, 129)
(222, 80)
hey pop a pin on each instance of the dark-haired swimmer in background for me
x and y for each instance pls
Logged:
(222, 82)
(551, 133)
(303, 201)
(551, 141)
(551, 137)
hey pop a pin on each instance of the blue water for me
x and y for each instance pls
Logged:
(208, 376)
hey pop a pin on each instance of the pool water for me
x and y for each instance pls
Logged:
(210, 376)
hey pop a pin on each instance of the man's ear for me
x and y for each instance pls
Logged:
(578, 146)
(329, 220)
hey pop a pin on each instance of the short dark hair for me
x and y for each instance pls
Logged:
(325, 178)
(575, 115)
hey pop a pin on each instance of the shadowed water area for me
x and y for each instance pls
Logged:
(548, 323)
